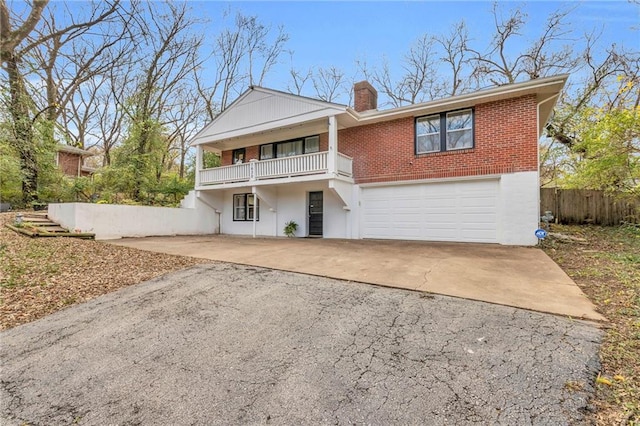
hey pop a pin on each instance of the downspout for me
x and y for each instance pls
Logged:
(538, 142)
(538, 111)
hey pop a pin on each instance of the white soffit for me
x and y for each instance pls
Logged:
(259, 110)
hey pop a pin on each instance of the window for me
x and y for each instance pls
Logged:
(428, 134)
(458, 132)
(266, 152)
(311, 144)
(238, 156)
(290, 148)
(245, 206)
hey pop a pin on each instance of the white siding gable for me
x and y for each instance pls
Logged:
(262, 109)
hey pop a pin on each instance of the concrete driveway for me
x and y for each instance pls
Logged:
(523, 277)
(231, 344)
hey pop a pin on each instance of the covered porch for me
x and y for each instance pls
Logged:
(283, 169)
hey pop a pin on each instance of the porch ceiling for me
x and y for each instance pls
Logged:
(270, 135)
(260, 113)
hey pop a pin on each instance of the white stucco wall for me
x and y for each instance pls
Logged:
(518, 208)
(207, 212)
(291, 203)
(110, 221)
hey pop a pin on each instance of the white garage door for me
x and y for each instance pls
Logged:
(448, 211)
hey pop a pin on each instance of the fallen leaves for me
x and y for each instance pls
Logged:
(39, 276)
(605, 263)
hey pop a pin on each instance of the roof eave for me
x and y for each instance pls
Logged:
(555, 84)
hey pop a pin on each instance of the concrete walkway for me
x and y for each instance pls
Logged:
(521, 277)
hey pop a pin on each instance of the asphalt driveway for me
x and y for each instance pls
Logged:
(232, 344)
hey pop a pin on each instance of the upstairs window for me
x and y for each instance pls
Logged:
(290, 148)
(444, 132)
(239, 155)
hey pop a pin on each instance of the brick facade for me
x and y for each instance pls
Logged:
(365, 97)
(253, 152)
(69, 163)
(505, 142)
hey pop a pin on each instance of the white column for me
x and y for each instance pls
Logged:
(332, 156)
(255, 209)
(199, 155)
(253, 165)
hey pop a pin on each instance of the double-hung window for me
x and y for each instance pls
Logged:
(290, 148)
(245, 206)
(444, 132)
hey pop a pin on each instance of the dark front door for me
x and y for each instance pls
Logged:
(315, 213)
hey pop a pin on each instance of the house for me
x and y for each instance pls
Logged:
(70, 160)
(462, 169)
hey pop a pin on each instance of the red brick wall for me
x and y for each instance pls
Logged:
(254, 151)
(365, 97)
(251, 153)
(505, 141)
(69, 163)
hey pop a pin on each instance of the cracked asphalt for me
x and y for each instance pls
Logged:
(230, 344)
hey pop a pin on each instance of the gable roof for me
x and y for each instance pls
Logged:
(259, 109)
(73, 150)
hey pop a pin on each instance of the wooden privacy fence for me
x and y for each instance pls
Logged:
(580, 206)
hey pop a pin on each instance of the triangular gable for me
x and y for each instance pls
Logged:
(260, 109)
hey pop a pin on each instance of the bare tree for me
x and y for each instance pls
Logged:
(604, 85)
(298, 80)
(181, 122)
(329, 83)
(455, 57)
(69, 59)
(243, 56)
(171, 56)
(548, 54)
(21, 41)
(420, 79)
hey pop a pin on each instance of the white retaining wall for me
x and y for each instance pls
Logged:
(110, 221)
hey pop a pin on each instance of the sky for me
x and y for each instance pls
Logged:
(335, 33)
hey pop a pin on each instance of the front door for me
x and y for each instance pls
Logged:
(315, 214)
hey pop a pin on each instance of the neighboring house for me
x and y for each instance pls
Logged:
(70, 160)
(463, 168)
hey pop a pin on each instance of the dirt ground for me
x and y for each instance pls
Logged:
(605, 263)
(39, 276)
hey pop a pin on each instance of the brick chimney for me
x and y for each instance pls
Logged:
(365, 97)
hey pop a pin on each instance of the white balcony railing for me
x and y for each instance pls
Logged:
(345, 165)
(299, 165)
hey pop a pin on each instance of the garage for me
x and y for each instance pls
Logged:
(464, 211)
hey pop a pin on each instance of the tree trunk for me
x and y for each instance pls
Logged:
(23, 130)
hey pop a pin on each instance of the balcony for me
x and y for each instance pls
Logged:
(278, 168)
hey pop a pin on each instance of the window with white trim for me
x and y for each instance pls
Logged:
(290, 148)
(245, 206)
(448, 131)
